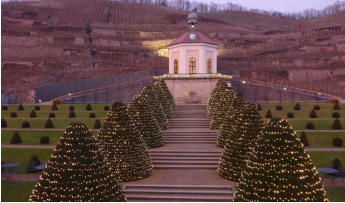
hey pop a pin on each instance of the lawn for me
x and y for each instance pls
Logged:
(16, 191)
(32, 137)
(19, 191)
(321, 159)
(58, 114)
(61, 107)
(23, 156)
(322, 139)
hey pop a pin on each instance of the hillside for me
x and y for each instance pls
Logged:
(45, 42)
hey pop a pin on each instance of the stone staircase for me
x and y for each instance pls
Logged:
(185, 159)
(178, 193)
(190, 148)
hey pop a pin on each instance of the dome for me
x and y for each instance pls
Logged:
(192, 15)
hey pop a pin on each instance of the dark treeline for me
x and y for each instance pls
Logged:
(187, 5)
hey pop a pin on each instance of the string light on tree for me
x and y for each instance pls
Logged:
(240, 144)
(215, 96)
(145, 121)
(76, 171)
(124, 150)
(279, 169)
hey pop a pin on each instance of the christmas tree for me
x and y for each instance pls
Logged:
(76, 171)
(123, 148)
(163, 98)
(156, 107)
(145, 121)
(279, 169)
(221, 107)
(229, 120)
(170, 97)
(240, 144)
(215, 97)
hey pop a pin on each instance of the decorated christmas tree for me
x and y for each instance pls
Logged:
(163, 98)
(215, 97)
(279, 169)
(231, 116)
(124, 150)
(156, 107)
(221, 108)
(76, 171)
(168, 94)
(145, 121)
(240, 144)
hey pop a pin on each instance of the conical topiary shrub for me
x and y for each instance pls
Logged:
(279, 169)
(145, 121)
(97, 124)
(215, 97)
(156, 107)
(16, 139)
(163, 98)
(304, 139)
(54, 107)
(3, 123)
(20, 107)
(124, 150)
(33, 114)
(37, 108)
(221, 108)
(268, 114)
(336, 124)
(170, 97)
(76, 171)
(49, 123)
(240, 144)
(336, 106)
(312, 114)
(231, 116)
(88, 107)
(297, 107)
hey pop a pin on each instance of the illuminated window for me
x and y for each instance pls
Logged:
(209, 66)
(175, 66)
(192, 65)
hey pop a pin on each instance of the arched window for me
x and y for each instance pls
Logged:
(209, 66)
(175, 66)
(192, 65)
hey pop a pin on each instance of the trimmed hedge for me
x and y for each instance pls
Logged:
(316, 107)
(52, 115)
(335, 115)
(20, 107)
(37, 108)
(312, 114)
(3, 123)
(304, 139)
(44, 140)
(72, 114)
(16, 139)
(92, 115)
(279, 108)
(54, 107)
(71, 108)
(33, 114)
(310, 126)
(336, 106)
(106, 108)
(297, 107)
(337, 142)
(49, 124)
(98, 124)
(25, 124)
(268, 114)
(336, 124)
(290, 115)
(13, 115)
(88, 107)
(259, 108)
(4, 108)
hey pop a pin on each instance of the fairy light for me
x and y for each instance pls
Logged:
(194, 76)
(124, 150)
(240, 135)
(76, 171)
(279, 169)
(167, 99)
(145, 121)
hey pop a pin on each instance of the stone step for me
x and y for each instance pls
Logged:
(192, 141)
(191, 106)
(190, 137)
(161, 166)
(185, 193)
(183, 162)
(190, 126)
(186, 155)
(215, 158)
(160, 151)
(190, 133)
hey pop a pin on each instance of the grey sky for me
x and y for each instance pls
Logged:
(288, 6)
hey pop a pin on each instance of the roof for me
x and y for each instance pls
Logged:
(200, 38)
